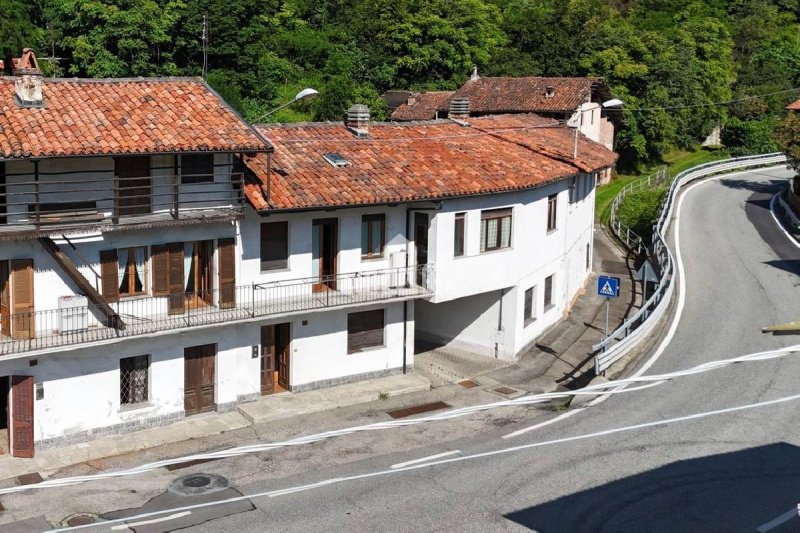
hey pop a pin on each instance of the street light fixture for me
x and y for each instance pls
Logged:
(614, 102)
(305, 94)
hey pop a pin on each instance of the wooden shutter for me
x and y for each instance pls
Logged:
(159, 260)
(23, 320)
(109, 275)
(364, 330)
(21, 416)
(175, 278)
(274, 245)
(227, 273)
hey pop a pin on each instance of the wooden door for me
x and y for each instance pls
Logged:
(3, 197)
(421, 245)
(134, 185)
(22, 317)
(325, 253)
(205, 272)
(267, 359)
(5, 299)
(198, 387)
(282, 351)
(21, 416)
(175, 281)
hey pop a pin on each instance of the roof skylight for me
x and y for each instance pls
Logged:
(336, 159)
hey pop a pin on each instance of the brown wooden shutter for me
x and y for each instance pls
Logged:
(159, 261)
(23, 320)
(109, 275)
(364, 330)
(21, 416)
(175, 278)
(274, 245)
(227, 273)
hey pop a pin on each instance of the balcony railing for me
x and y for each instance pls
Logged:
(37, 330)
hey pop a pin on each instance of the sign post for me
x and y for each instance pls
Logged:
(608, 287)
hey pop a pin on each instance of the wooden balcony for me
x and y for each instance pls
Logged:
(76, 325)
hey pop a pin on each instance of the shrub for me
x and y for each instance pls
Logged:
(639, 211)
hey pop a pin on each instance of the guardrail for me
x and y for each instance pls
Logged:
(627, 335)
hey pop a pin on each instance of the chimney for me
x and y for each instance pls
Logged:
(358, 120)
(474, 76)
(459, 108)
(2, 68)
(28, 80)
(412, 99)
(549, 91)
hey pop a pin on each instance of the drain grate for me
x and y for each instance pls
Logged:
(195, 484)
(29, 479)
(468, 383)
(505, 390)
(417, 409)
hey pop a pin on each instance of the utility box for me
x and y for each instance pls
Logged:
(73, 314)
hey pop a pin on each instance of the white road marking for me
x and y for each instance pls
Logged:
(502, 451)
(153, 521)
(772, 203)
(775, 522)
(426, 459)
(542, 424)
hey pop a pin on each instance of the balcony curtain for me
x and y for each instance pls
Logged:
(140, 275)
(188, 261)
(122, 267)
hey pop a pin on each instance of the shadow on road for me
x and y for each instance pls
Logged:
(739, 491)
(792, 266)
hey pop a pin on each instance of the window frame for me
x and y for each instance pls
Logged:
(281, 263)
(529, 306)
(460, 234)
(499, 215)
(369, 220)
(130, 270)
(195, 178)
(353, 347)
(549, 281)
(126, 404)
(552, 212)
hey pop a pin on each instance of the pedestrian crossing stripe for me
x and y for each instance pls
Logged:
(606, 290)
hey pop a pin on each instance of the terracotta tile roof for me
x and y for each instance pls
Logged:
(794, 106)
(415, 161)
(425, 106)
(526, 95)
(92, 117)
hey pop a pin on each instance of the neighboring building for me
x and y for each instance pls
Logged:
(794, 106)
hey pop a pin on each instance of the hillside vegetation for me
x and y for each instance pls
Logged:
(655, 54)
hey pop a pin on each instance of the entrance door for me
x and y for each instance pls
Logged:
(421, 244)
(200, 278)
(133, 185)
(275, 357)
(20, 416)
(198, 387)
(325, 249)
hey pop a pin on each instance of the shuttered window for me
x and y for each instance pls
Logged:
(23, 323)
(197, 168)
(552, 206)
(373, 235)
(495, 229)
(109, 275)
(274, 246)
(365, 330)
(167, 266)
(458, 234)
(227, 273)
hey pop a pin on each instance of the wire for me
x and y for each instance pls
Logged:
(607, 388)
(692, 106)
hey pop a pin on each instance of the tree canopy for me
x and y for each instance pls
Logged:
(668, 60)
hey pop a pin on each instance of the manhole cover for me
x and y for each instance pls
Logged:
(195, 484)
(505, 390)
(468, 383)
(79, 519)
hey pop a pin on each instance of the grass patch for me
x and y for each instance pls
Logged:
(677, 161)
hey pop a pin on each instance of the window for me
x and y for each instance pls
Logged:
(458, 235)
(373, 235)
(336, 159)
(364, 330)
(548, 291)
(197, 168)
(131, 265)
(495, 229)
(133, 379)
(552, 205)
(530, 306)
(274, 246)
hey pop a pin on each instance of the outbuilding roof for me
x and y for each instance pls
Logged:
(794, 106)
(415, 161)
(121, 116)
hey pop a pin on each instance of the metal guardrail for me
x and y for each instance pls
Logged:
(627, 335)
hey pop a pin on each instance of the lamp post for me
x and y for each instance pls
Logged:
(305, 94)
(614, 102)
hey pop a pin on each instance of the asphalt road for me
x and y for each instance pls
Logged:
(737, 470)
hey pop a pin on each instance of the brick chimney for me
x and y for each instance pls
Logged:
(358, 120)
(459, 108)
(28, 80)
(549, 91)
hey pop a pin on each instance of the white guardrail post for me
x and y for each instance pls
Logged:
(636, 327)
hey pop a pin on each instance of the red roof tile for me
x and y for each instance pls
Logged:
(425, 106)
(794, 106)
(94, 117)
(402, 162)
(526, 95)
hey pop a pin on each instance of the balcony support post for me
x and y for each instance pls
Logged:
(175, 188)
(36, 191)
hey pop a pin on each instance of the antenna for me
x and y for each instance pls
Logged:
(204, 38)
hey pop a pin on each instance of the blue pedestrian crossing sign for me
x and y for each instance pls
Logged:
(608, 286)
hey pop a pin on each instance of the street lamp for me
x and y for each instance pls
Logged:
(614, 102)
(305, 94)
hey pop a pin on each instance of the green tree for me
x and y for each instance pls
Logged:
(787, 135)
(16, 30)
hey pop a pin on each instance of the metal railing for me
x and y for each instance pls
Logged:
(36, 330)
(635, 328)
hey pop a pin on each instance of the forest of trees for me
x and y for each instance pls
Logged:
(654, 54)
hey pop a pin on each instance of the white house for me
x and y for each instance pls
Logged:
(157, 260)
